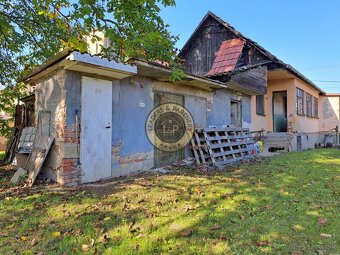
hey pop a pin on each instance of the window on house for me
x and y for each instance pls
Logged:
(309, 100)
(300, 98)
(260, 105)
(316, 109)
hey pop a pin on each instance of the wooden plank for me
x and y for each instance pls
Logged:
(254, 80)
(194, 149)
(224, 145)
(224, 129)
(225, 153)
(219, 145)
(239, 146)
(37, 157)
(226, 137)
(209, 149)
(221, 148)
(199, 147)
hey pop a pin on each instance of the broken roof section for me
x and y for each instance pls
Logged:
(95, 65)
(227, 56)
(237, 34)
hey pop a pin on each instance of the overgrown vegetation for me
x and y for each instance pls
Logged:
(33, 31)
(285, 205)
(9, 97)
(2, 154)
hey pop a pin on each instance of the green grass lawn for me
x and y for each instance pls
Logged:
(284, 205)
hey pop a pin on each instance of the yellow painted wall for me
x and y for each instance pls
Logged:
(295, 122)
(304, 123)
(329, 112)
(258, 122)
(266, 122)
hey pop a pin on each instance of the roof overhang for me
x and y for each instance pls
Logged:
(250, 80)
(332, 95)
(163, 73)
(280, 74)
(290, 73)
(84, 63)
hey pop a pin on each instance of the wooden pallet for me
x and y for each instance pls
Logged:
(222, 146)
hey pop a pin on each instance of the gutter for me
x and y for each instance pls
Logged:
(168, 71)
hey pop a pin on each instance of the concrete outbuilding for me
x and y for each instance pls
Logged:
(96, 109)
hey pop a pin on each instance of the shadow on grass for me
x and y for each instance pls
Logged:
(268, 207)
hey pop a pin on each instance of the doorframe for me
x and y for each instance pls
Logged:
(81, 126)
(279, 91)
(232, 100)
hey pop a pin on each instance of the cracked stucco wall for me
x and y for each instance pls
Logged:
(132, 101)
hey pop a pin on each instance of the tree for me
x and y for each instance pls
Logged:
(31, 31)
(8, 98)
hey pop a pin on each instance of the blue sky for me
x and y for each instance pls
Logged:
(305, 34)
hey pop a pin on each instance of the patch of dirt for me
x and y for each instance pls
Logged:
(110, 186)
(6, 173)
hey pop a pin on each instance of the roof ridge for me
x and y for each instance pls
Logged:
(256, 46)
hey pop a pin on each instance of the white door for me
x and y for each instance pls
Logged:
(96, 129)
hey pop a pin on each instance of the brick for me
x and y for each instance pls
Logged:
(70, 160)
(70, 177)
(69, 180)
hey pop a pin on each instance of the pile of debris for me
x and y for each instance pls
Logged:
(222, 146)
(33, 146)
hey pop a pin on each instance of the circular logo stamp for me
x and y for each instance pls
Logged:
(169, 127)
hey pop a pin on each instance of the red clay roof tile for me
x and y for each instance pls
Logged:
(227, 56)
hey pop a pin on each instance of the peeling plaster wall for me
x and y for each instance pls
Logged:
(132, 101)
(50, 96)
(59, 94)
(220, 112)
(246, 111)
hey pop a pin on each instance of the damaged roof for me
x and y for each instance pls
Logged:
(262, 50)
(227, 56)
(94, 64)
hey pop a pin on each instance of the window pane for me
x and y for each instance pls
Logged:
(309, 105)
(300, 96)
(316, 105)
(260, 104)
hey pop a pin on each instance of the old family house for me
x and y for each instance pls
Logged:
(96, 109)
(282, 99)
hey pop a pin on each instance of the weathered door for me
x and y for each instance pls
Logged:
(162, 158)
(299, 143)
(236, 113)
(96, 129)
(280, 111)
